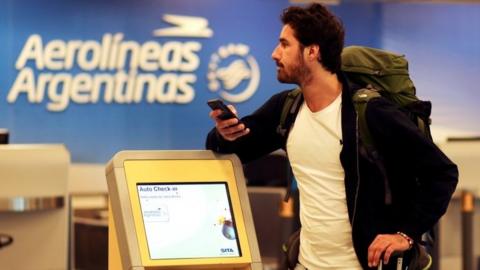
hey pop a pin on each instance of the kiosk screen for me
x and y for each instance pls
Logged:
(188, 220)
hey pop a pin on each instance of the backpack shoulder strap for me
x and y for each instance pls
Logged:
(289, 109)
(287, 117)
(360, 101)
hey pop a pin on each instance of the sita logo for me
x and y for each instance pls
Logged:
(233, 73)
(226, 250)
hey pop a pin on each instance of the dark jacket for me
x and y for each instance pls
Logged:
(422, 179)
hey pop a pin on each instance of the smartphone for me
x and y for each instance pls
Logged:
(217, 104)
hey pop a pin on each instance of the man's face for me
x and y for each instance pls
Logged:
(289, 58)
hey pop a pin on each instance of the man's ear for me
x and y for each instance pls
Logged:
(313, 52)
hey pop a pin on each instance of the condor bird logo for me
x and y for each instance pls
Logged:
(233, 73)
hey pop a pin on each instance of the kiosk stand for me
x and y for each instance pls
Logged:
(179, 210)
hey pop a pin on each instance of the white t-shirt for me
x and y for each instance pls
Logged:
(314, 146)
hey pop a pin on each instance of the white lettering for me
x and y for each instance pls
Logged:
(58, 92)
(89, 49)
(25, 82)
(72, 47)
(147, 81)
(149, 56)
(189, 53)
(81, 88)
(31, 51)
(54, 54)
(171, 56)
(124, 88)
(128, 49)
(186, 92)
(42, 83)
(108, 83)
(132, 72)
(106, 44)
(166, 88)
(117, 38)
(120, 82)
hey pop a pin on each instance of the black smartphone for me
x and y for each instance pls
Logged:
(217, 104)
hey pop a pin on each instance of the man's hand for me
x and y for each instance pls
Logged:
(229, 129)
(385, 244)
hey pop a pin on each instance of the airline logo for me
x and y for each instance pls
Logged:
(118, 70)
(185, 26)
(113, 70)
(225, 78)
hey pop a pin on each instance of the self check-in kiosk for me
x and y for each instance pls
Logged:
(179, 210)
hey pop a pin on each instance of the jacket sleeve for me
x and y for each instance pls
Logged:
(433, 177)
(262, 138)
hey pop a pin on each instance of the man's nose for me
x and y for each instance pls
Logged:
(275, 54)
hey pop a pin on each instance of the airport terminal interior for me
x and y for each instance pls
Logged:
(104, 117)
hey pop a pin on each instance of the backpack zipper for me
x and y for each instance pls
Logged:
(372, 71)
(358, 174)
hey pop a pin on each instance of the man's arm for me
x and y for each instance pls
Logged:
(436, 175)
(400, 142)
(261, 137)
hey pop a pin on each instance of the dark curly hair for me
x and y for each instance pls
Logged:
(315, 24)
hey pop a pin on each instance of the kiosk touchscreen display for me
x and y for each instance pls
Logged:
(188, 220)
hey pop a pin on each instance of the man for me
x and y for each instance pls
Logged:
(345, 221)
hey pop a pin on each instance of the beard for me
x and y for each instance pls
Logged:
(294, 73)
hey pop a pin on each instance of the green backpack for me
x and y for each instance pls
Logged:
(378, 73)
(383, 74)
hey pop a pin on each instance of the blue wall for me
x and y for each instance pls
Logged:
(442, 43)
(94, 131)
